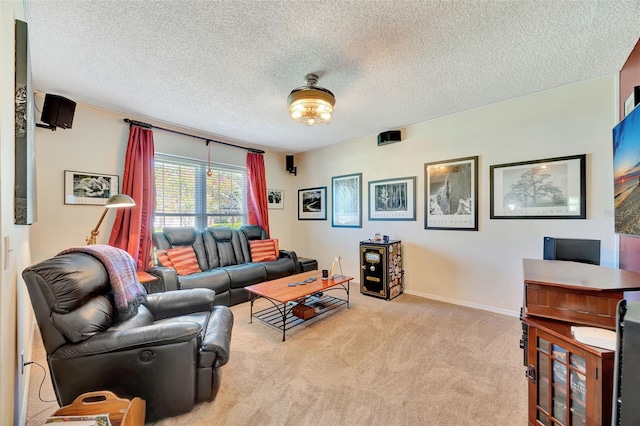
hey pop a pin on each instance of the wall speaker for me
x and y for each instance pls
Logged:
(388, 137)
(58, 111)
(290, 167)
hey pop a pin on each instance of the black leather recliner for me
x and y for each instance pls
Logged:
(169, 354)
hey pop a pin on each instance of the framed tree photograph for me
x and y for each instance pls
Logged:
(346, 193)
(275, 199)
(552, 188)
(312, 203)
(451, 194)
(89, 188)
(392, 199)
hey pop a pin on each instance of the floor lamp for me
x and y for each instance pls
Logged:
(114, 202)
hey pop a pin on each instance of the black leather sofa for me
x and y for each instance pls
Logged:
(170, 354)
(224, 256)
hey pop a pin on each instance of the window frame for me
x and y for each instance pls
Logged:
(201, 217)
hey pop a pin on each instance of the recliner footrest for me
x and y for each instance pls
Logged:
(307, 264)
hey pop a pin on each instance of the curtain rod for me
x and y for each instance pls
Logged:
(207, 140)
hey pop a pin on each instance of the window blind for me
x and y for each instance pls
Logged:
(186, 196)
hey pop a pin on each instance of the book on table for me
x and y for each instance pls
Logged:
(86, 420)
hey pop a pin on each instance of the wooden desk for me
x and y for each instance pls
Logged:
(575, 292)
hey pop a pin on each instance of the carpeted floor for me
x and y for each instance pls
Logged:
(409, 361)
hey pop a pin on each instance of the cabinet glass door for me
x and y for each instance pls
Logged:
(542, 387)
(578, 370)
(559, 380)
(560, 385)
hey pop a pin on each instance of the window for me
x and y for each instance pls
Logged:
(186, 196)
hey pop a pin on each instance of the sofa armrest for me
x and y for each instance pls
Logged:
(115, 341)
(292, 255)
(218, 335)
(182, 302)
(167, 276)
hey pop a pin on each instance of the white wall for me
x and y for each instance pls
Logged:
(484, 268)
(97, 143)
(16, 317)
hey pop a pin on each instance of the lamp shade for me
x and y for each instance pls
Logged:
(114, 202)
(311, 104)
(119, 200)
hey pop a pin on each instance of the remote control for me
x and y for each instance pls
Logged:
(292, 284)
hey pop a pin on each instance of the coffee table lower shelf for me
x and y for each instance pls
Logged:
(281, 315)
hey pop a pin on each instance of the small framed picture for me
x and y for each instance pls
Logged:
(451, 194)
(89, 188)
(346, 193)
(312, 203)
(552, 188)
(392, 199)
(275, 199)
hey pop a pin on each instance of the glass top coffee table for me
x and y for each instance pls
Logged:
(293, 297)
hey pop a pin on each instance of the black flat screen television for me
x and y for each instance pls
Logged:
(573, 249)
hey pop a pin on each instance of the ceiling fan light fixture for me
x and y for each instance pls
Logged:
(311, 104)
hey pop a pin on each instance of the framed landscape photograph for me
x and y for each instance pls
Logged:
(275, 199)
(552, 188)
(89, 188)
(626, 174)
(451, 194)
(312, 203)
(346, 193)
(392, 199)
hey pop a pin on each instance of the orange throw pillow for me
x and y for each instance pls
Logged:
(184, 260)
(163, 258)
(263, 250)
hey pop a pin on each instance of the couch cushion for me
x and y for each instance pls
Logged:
(163, 258)
(184, 260)
(180, 236)
(214, 279)
(246, 274)
(280, 268)
(69, 280)
(94, 316)
(142, 318)
(263, 250)
(228, 247)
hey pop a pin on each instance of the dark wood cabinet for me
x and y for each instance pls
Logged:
(570, 383)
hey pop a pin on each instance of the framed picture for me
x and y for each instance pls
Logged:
(346, 193)
(451, 194)
(632, 100)
(25, 212)
(392, 199)
(626, 174)
(553, 188)
(275, 199)
(312, 203)
(89, 188)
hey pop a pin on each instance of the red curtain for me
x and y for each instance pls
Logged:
(133, 227)
(257, 191)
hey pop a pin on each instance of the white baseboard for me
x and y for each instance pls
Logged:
(463, 303)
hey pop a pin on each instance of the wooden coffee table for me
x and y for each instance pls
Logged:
(285, 298)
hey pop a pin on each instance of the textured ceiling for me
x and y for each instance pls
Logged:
(225, 68)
